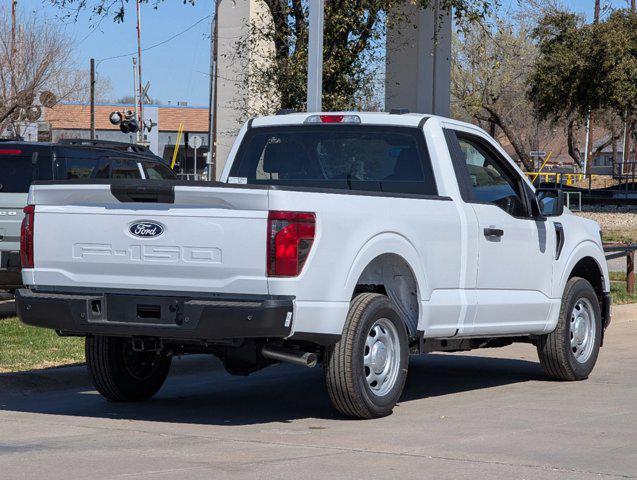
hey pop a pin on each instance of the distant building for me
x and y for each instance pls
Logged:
(606, 159)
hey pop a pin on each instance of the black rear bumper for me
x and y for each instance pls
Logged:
(143, 314)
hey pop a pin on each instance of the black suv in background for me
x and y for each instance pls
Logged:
(22, 163)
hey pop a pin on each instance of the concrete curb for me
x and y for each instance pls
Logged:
(624, 313)
(76, 376)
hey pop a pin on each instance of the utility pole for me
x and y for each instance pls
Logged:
(212, 95)
(315, 57)
(92, 98)
(136, 100)
(589, 120)
(140, 119)
(14, 7)
(628, 125)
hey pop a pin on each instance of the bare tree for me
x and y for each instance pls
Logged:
(77, 84)
(490, 66)
(37, 58)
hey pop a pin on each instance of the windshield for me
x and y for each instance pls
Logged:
(372, 158)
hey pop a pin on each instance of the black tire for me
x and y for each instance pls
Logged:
(121, 374)
(344, 369)
(555, 350)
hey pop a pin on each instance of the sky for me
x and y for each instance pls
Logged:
(178, 68)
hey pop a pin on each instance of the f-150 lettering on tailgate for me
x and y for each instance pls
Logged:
(147, 253)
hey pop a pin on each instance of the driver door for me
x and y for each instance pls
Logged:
(515, 253)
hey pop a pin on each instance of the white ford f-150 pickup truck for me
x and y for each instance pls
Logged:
(347, 239)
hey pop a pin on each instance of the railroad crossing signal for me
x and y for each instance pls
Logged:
(126, 121)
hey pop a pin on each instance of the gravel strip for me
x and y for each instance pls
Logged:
(612, 217)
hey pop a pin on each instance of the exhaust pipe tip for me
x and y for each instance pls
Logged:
(288, 355)
(311, 359)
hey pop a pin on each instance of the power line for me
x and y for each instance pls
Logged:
(158, 44)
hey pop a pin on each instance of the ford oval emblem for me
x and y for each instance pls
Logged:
(146, 229)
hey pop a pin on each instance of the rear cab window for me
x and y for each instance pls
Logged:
(345, 157)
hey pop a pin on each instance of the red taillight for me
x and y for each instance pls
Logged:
(290, 238)
(26, 237)
(331, 118)
(10, 151)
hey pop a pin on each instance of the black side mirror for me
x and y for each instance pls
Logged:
(550, 201)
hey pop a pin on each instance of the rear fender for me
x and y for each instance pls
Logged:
(388, 243)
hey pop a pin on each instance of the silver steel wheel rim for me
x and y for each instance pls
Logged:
(381, 357)
(582, 330)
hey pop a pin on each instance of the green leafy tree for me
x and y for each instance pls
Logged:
(584, 68)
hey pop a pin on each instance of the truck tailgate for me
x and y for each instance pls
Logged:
(209, 239)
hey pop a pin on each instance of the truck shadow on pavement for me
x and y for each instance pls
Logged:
(278, 394)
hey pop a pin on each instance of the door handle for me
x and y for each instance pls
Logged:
(493, 232)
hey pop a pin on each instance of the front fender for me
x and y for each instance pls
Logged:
(586, 248)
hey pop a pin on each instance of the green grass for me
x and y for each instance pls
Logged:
(26, 348)
(618, 289)
(627, 235)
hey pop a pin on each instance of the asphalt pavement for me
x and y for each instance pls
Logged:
(479, 415)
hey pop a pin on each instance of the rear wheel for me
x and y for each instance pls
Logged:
(365, 371)
(120, 373)
(570, 351)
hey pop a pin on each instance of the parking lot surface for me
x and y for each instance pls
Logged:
(481, 414)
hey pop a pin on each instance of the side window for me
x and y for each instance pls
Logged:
(124, 168)
(157, 171)
(117, 168)
(104, 168)
(490, 178)
(78, 167)
(44, 167)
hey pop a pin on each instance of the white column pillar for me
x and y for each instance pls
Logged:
(234, 21)
(418, 65)
(315, 56)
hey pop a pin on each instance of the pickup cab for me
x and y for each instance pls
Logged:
(347, 239)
